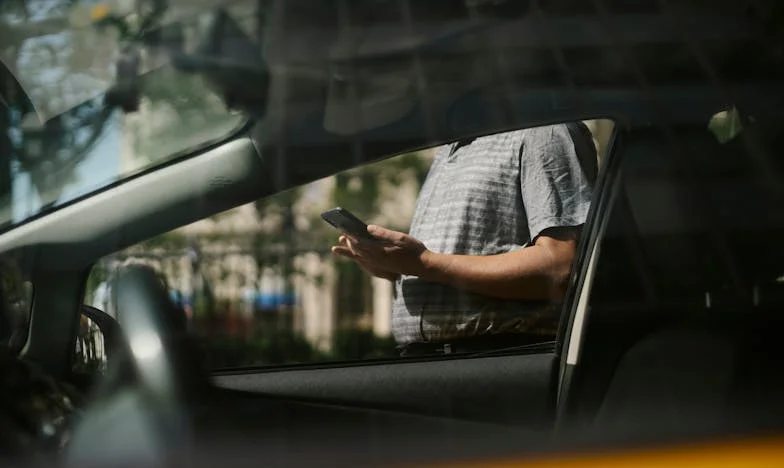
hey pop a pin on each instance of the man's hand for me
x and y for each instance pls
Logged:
(537, 272)
(397, 254)
(345, 250)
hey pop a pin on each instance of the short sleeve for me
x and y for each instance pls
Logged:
(555, 191)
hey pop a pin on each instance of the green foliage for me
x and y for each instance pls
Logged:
(271, 346)
(204, 301)
(413, 162)
(268, 346)
(353, 290)
(352, 345)
(169, 241)
(280, 205)
(185, 94)
(278, 202)
(359, 190)
(190, 112)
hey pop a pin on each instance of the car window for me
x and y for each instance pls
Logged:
(692, 250)
(88, 109)
(700, 232)
(260, 286)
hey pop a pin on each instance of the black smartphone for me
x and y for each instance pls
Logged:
(345, 221)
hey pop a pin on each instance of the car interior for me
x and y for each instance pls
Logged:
(685, 335)
(686, 301)
(669, 327)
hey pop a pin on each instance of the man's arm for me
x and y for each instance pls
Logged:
(556, 195)
(538, 272)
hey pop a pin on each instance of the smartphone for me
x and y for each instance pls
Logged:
(345, 221)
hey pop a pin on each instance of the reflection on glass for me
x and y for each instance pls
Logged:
(63, 136)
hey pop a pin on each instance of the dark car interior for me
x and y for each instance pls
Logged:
(680, 336)
(687, 299)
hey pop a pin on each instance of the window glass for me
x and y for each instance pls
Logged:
(260, 286)
(698, 227)
(692, 246)
(86, 107)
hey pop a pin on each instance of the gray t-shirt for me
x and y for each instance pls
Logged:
(493, 195)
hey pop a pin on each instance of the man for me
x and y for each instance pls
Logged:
(491, 243)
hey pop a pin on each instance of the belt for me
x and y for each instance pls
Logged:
(474, 344)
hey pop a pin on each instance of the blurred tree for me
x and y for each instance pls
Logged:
(49, 125)
(359, 190)
(283, 236)
(203, 295)
(267, 346)
(62, 80)
(355, 345)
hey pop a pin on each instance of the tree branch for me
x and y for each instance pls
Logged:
(98, 127)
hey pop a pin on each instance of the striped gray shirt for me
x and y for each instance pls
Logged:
(493, 195)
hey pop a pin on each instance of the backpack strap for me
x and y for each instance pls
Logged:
(585, 148)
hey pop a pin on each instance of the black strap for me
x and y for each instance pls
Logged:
(459, 144)
(585, 149)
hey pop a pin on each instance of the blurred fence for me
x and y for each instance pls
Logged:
(252, 314)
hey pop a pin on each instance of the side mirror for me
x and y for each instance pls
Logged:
(98, 340)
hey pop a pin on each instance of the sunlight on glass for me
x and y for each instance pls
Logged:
(146, 346)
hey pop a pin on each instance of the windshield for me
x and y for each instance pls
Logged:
(83, 106)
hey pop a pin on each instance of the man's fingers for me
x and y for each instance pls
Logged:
(378, 231)
(346, 240)
(385, 234)
(343, 251)
(352, 246)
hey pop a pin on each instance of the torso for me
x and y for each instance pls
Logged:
(470, 204)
